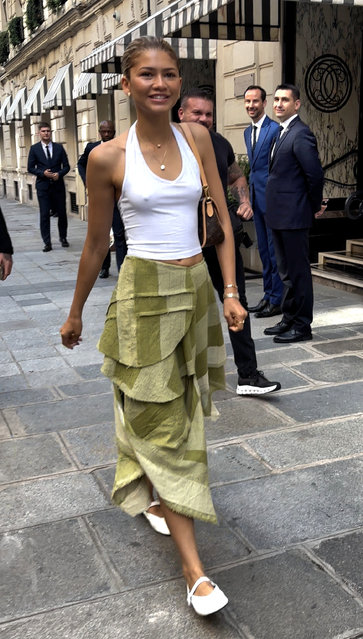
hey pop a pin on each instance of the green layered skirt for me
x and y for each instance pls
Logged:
(164, 353)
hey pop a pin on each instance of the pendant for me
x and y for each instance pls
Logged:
(162, 166)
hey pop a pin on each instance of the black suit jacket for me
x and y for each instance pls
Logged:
(294, 187)
(38, 163)
(5, 241)
(82, 162)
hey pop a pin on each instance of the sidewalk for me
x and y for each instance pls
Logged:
(286, 472)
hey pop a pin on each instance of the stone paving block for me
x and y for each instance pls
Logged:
(310, 445)
(4, 430)
(48, 566)
(6, 357)
(340, 346)
(288, 596)
(92, 445)
(43, 500)
(24, 338)
(140, 555)
(310, 503)
(105, 477)
(51, 378)
(282, 353)
(34, 353)
(241, 416)
(32, 457)
(89, 372)
(337, 369)
(7, 325)
(233, 463)
(8, 369)
(157, 611)
(287, 378)
(324, 403)
(44, 364)
(61, 414)
(96, 387)
(333, 332)
(344, 555)
(24, 396)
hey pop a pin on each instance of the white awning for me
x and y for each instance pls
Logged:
(33, 105)
(16, 110)
(60, 91)
(4, 109)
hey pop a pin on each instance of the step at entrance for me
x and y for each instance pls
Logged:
(341, 269)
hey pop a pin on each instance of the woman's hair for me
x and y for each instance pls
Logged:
(136, 47)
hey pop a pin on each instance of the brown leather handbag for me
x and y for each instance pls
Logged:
(210, 230)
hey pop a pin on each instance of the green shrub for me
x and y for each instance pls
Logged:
(54, 5)
(4, 46)
(34, 14)
(16, 31)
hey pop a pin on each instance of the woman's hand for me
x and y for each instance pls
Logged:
(234, 313)
(71, 332)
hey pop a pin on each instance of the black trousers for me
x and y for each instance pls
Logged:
(120, 242)
(292, 257)
(242, 343)
(53, 199)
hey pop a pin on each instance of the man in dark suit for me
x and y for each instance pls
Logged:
(258, 137)
(6, 250)
(197, 106)
(48, 161)
(107, 132)
(293, 195)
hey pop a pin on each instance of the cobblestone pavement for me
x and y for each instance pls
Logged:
(286, 473)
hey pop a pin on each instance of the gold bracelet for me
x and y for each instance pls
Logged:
(230, 286)
(231, 295)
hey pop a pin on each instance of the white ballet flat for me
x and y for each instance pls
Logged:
(157, 523)
(208, 604)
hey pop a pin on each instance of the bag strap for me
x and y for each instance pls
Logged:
(189, 137)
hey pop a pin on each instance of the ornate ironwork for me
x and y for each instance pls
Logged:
(328, 83)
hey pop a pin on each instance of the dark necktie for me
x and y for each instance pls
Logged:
(254, 136)
(276, 139)
(47, 152)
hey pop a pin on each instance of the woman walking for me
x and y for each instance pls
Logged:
(162, 339)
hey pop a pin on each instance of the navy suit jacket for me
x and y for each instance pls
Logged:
(259, 161)
(5, 241)
(294, 187)
(38, 163)
(82, 162)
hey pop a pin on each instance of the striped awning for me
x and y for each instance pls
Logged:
(111, 80)
(16, 111)
(60, 91)
(33, 105)
(225, 20)
(4, 109)
(350, 3)
(90, 85)
(107, 58)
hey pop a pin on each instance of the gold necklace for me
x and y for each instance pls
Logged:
(157, 146)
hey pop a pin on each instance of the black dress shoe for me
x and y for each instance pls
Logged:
(259, 307)
(47, 247)
(269, 311)
(103, 273)
(293, 335)
(64, 243)
(278, 329)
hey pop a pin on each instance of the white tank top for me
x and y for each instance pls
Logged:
(160, 216)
